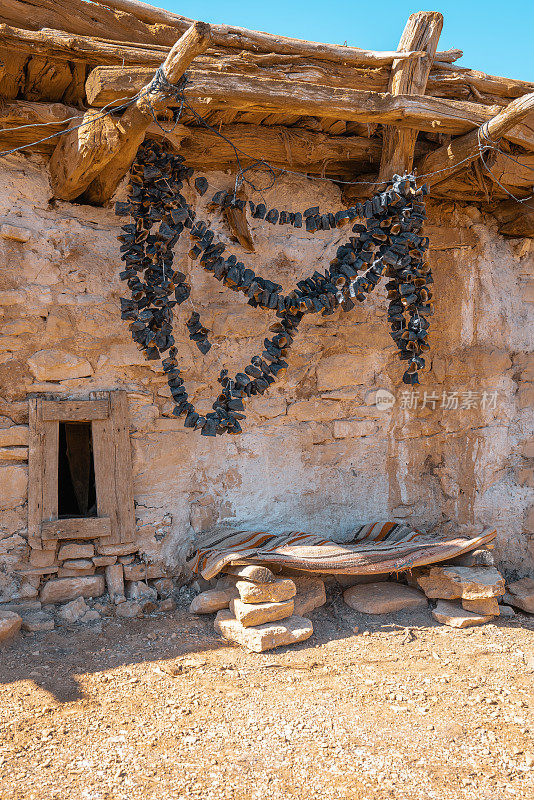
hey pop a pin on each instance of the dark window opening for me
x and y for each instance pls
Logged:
(76, 471)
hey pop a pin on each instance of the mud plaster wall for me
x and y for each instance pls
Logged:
(316, 454)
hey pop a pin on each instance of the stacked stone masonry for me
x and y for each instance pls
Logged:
(318, 453)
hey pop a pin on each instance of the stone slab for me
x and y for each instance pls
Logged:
(252, 614)
(140, 592)
(251, 572)
(453, 615)
(10, 624)
(263, 637)
(63, 572)
(104, 561)
(213, 600)
(455, 583)
(385, 597)
(58, 365)
(78, 563)
(489, 606)
(129, 609)
(475, 558)
(64, 589)
(522, 594)
(274, 592)
(37, 622)
(143, 572)
(311, 594)
(75, 550)
(73, 611)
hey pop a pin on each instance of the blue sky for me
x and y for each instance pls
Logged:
(496, 37)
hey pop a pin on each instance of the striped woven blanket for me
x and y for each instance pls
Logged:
(375, 548)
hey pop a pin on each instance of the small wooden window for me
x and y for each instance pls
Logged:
(80, 474)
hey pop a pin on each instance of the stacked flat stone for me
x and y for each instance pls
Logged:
(262, 616)
(467, 589)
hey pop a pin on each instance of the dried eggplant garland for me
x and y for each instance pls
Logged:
(387, 241)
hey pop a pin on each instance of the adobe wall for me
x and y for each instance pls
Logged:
(316, 453)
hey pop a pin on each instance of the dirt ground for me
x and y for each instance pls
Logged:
(162, 708)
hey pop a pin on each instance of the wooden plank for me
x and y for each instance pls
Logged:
(104, 456)
(75, 410)
(50, 469)
(76, 528)
(35, 473)
(123, 466)
(422, 32)
(74, 165)
(454, 157)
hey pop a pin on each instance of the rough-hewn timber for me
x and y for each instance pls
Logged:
(73, 165)
(422, 32)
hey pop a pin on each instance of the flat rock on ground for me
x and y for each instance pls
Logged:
(453, 615)
(467, 583)
(10, 623)
(251, 614)
(37, 621)
(384, 597)
(263, 637)
(489, 606)
(311, 594)
(521, 594)
(213, 600)
(272, 592)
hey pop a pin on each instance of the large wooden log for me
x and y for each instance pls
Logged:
(108, 83)
(45, 120)
(78, 16)
(422, 32)
(82, 154)
(283, 148)
(445, 79)
(210, 90)
(452, 158)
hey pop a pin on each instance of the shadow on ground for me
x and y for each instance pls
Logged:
(55, 660)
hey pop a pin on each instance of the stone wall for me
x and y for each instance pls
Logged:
(317, 453)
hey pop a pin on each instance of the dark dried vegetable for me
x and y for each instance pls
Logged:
(387, 241)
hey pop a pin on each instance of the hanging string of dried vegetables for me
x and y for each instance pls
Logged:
(387, 242)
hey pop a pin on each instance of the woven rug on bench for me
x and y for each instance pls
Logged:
(374, 548)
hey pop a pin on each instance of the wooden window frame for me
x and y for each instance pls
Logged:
(115, 520)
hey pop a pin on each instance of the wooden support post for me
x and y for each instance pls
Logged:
(82, 154)
(458, 154)
(422, 32)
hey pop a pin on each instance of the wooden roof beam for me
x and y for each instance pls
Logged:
(83, 153)
(450, 159)
(94, 19)
(422, 32)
